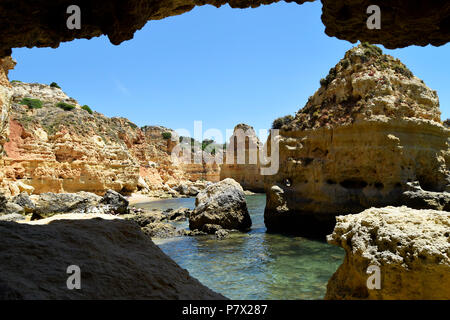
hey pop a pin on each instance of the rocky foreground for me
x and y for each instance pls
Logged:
(117, 261)
(110, 243)
(410, 247)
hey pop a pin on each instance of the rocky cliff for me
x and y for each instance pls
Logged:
(370, 129)
(6, 64)
(55, 145)
(409, 248)
(242, 159)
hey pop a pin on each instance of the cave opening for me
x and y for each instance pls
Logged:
(354, 183)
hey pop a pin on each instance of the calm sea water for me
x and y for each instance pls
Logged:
(253, 265)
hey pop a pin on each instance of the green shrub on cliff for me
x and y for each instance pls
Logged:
(329, 78)
(166, 135)
(86, 107)
(32, 103)
(279, 122)
(402, 69)
(372, 49)
(206, 143)
(65, 106)
(54, 85)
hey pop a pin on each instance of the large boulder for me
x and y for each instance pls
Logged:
(52, 203)
(12, 208)
(223, 204)
(161, 230)
(417, 198)
(116, 260)
(116, 202)
(3, 201)
(9, 208)
(410, 247)
(143, 219)
(178, 214)
(25, 202)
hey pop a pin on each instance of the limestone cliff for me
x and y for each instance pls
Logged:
(409, 247)
(242, 162)
(370, 129)
(6, 64)
(55, 145)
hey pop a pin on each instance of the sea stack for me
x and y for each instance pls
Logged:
(369, 132)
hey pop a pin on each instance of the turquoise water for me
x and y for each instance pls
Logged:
(253, 265)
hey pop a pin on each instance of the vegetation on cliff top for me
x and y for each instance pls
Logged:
(65, 106)
(87, 108)
(32, 103)
(54, 85)
(351, 88)
(280, 122)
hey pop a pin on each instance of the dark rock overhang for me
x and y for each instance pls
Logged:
(42, 23)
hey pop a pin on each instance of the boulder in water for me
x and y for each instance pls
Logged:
(223, 204)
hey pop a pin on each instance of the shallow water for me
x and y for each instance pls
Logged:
(253, 265)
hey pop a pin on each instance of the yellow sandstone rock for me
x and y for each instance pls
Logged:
(410, 247)
(370, 129)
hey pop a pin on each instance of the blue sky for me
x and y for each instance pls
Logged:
(221, 66)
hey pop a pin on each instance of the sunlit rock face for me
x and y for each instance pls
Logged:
(6, 64)
(405, 250)
(370, 129)
(57, 150)
(242, 163)
(52, 149)
(402, 24)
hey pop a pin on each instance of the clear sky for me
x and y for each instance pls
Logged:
(221, 66)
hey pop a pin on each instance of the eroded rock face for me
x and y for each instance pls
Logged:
(410, 247)
(117, 261)
(403, 24)
(6, 64)
(223, 204)
(370, 129)
(56, 150)
(242, 161)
